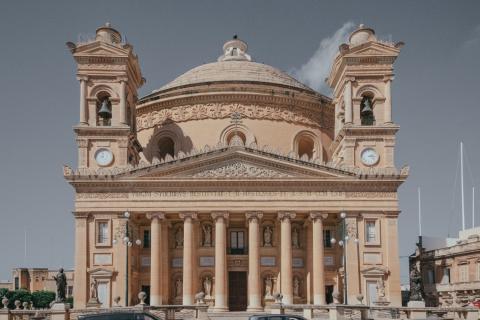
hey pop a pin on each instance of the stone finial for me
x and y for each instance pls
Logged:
(336, 297)
(5, 302)
(360, 298)
(25, 305)
(142, 296)
(17, 303)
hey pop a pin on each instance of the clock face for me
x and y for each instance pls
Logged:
(369, 157)
(104, 157)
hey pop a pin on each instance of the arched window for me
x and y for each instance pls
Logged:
(104, 110)
(366, 111)
(238, 133)
(166, 145)
(306, 146)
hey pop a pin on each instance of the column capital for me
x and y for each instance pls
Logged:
(82, 78)
(220, 214)
(156, 215)
(282, 215)
(188, 215)
(314, 215)
(349, 79)
(254, 215)
(122, 79)
(387, 78)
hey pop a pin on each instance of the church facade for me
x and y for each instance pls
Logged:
(236, 180)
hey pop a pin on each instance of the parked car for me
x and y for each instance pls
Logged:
(120, 315)
(275, 317)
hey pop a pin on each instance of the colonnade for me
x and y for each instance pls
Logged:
(254, 281)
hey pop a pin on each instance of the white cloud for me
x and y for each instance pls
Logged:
(316, 69)
(474, 38)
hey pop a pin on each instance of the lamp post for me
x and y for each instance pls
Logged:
(343, 244)
(126, 236)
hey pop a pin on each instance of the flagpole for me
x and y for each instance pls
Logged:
(419, 212)
(462, 191)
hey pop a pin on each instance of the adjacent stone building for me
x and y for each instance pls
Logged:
(236, 180)
(450, 268)
(38, 279)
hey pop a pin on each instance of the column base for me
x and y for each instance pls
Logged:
(220, 309)
(255, 309)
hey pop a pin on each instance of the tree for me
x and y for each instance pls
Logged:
(21, 294)
(42, 299)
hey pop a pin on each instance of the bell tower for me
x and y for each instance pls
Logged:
(109, 75)
(361, 79)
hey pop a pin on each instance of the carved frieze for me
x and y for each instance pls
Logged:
(240, 169)
(222, 110)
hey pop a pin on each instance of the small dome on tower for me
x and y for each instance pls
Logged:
(362, 35)
(235, 49)
(108, 34)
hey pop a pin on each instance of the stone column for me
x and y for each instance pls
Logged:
(81, 284)
(156, 258)
(388, 101)
(123, 104)
(347, 98)
(254, 288)
(220, 219)
(83, 101)
(317, 253)
(188, 295)
(286, 256)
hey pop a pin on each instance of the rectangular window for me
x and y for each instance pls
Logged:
(146, 239)
(446, 275)
(463, 273)
(371, 232)
(17, 283)
(327, 238)
(430, 276)
(237, 242)
(102, 232)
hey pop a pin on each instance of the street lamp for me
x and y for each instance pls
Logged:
(343, 244)
(126, 234)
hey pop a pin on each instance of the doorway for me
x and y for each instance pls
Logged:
(237, 292)
(329, 294)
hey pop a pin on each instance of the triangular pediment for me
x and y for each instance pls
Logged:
(237, 164)
(375, 271)
(98, 48)
(373, 49)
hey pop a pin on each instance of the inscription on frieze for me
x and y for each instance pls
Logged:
(238, 195)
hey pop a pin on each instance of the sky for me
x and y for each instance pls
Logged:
(436, 95)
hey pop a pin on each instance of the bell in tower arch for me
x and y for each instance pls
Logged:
(105, 113)
(366, 112)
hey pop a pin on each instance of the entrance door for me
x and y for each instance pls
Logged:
(329, 294)
(237, 291)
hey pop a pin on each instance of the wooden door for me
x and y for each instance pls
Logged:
(237, 291)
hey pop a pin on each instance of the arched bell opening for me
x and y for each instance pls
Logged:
(104, 109)
(367, 116)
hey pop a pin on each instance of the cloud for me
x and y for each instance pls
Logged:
(474, 39)
(316, 69)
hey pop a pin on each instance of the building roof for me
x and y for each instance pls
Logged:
(235, 65)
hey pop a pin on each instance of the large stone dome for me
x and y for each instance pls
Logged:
(235, 71)
(235, 65)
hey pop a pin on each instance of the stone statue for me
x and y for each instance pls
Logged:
(179, 238)
(94, 291)
(178, 288)
(268, 287)
(207, 236)
(267, 236)
(61, 281)
(415, 285)
(296, 287)
(380, 289)
(207, 286)
(295, 238)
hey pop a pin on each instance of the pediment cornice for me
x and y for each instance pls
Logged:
(238, 167)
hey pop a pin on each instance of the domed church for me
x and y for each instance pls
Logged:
(236, 180)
